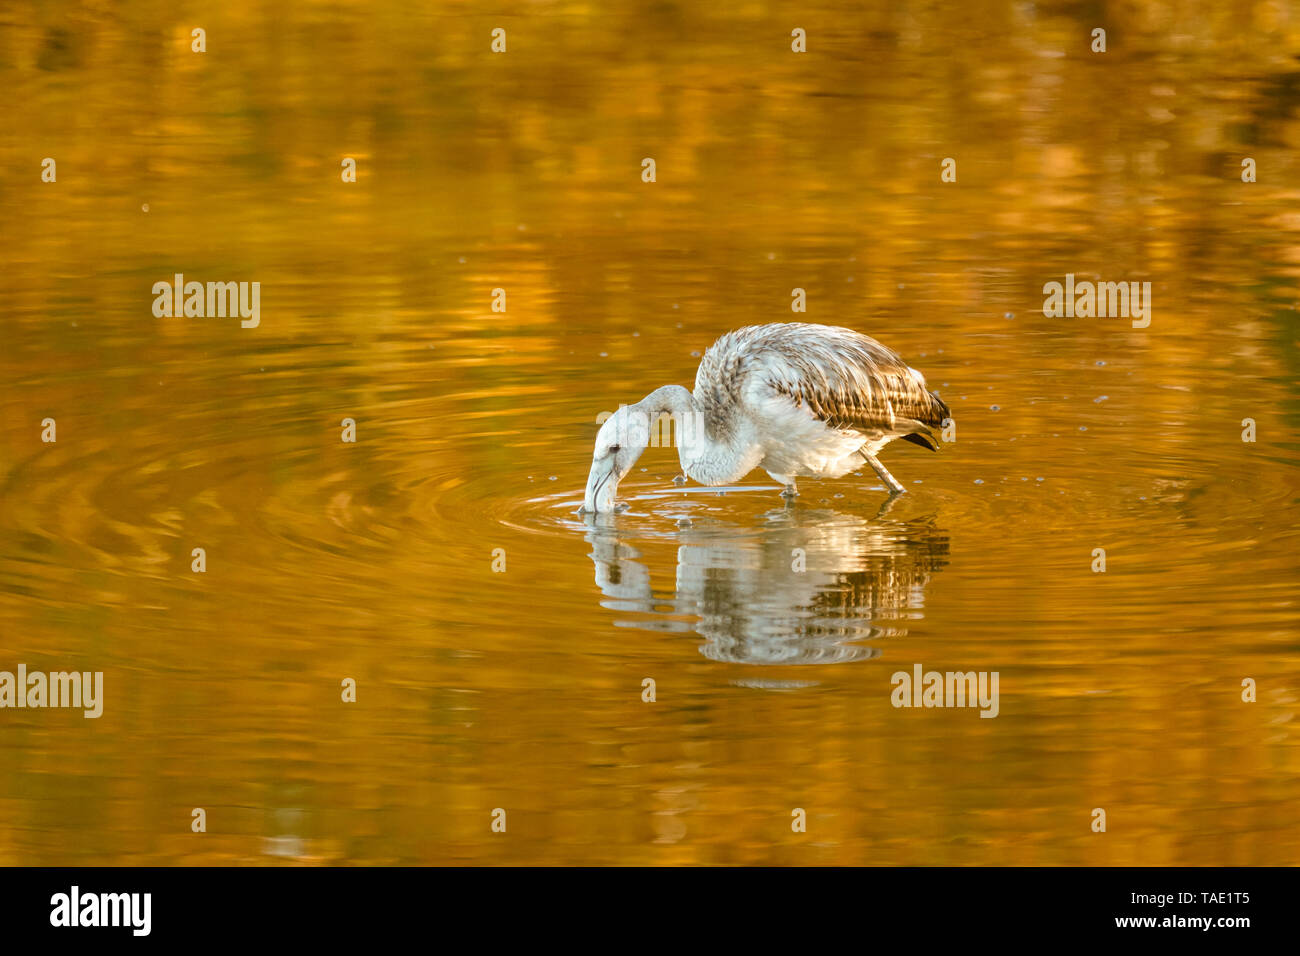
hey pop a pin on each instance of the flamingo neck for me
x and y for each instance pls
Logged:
(707, 446)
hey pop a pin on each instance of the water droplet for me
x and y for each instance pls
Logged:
(695, 355)
(1008, 315)
(1083, 428)
(144, 208)
(553, 478)
(979, 481)
(1101, 398)
(684, 523)
(1101, 361)
(604, 355)
(1038, 479)
(994, 408)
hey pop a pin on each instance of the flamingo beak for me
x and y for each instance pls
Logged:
(602, 483)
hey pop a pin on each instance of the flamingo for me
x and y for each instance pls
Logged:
(793, 398)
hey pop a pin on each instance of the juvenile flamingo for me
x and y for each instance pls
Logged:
(792, 398)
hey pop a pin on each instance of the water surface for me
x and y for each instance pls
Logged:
(522, 688)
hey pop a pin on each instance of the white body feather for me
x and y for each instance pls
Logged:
(803, 401)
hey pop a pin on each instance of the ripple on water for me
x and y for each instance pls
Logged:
(817, 581)
(764, 582)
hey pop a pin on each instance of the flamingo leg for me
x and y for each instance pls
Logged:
(892, 483)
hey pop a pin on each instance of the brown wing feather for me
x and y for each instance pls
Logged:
(846, 379)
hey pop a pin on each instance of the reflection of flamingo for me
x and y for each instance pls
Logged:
(793, 399)
(800, 589)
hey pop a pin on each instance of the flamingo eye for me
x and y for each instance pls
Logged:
(615, 449)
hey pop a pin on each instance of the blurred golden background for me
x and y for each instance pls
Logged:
(522, 689)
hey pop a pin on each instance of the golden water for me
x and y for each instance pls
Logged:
(522, 689)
